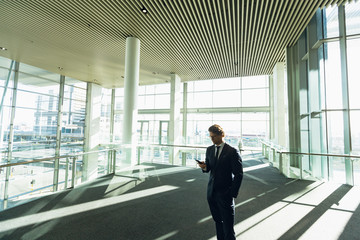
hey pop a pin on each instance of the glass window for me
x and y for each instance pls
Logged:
(335, 130)
(162, 101)
(331, 22)
(355, 131)
(255, 82)
(203, 85)
(5, 62)
(119, 99)
(226, 98)
(333, 83)
(118, 119)
(73, 92)
(255, 97)
(38, 74)
(73, 116)
(105, 116)
(352, 13)
(4, 72)
(37, 101)
(7, 99)
(162, 88)
(39, 84)
(4, 127)
(225, 84)
(75, 83)
(200, 100)
(146, 102)
(353, 53)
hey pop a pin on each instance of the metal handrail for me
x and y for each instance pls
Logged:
(309, 154)
(54, 158)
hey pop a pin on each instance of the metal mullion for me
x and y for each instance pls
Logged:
(345, 93)
(43, 94)
(58, 133)
(11, 135)
(112, 115)
(203, 33)
(6, 86)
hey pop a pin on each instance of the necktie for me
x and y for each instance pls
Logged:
(217, 152)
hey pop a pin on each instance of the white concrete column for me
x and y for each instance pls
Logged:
(92, 131)
(279, 104)
(174, 125)
(132, 65)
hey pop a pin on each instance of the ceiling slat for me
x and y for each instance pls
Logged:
(196, 39)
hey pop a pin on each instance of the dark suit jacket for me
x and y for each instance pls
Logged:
(226, 173)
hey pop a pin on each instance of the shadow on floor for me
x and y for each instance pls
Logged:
(167, 202)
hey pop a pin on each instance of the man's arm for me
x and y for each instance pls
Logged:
(237, 170)
(205, 166)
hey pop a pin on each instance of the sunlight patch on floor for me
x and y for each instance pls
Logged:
(350, 202)
(319, 194)
(166, 236)
(79, 208)
(256, 167)
(329, 226)
(272, 222)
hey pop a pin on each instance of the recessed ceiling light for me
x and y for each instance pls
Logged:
(3, 49)
(144, 10)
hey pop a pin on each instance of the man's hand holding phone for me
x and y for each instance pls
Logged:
(201, 164)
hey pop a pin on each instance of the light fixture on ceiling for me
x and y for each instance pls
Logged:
(3, 48)
(60, 68)
(144, 10)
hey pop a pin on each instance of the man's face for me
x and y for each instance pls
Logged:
(215, 138)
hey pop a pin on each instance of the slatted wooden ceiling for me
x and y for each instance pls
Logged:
(199, 39)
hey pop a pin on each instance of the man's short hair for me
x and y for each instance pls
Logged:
(216, 129)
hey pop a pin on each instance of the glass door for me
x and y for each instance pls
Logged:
(143, 131)
(164, 132)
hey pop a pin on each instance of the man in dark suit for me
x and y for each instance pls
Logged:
(226, 172)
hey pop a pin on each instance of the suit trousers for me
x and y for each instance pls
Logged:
(222, 208)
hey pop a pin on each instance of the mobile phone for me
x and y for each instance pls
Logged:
(200, 162)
